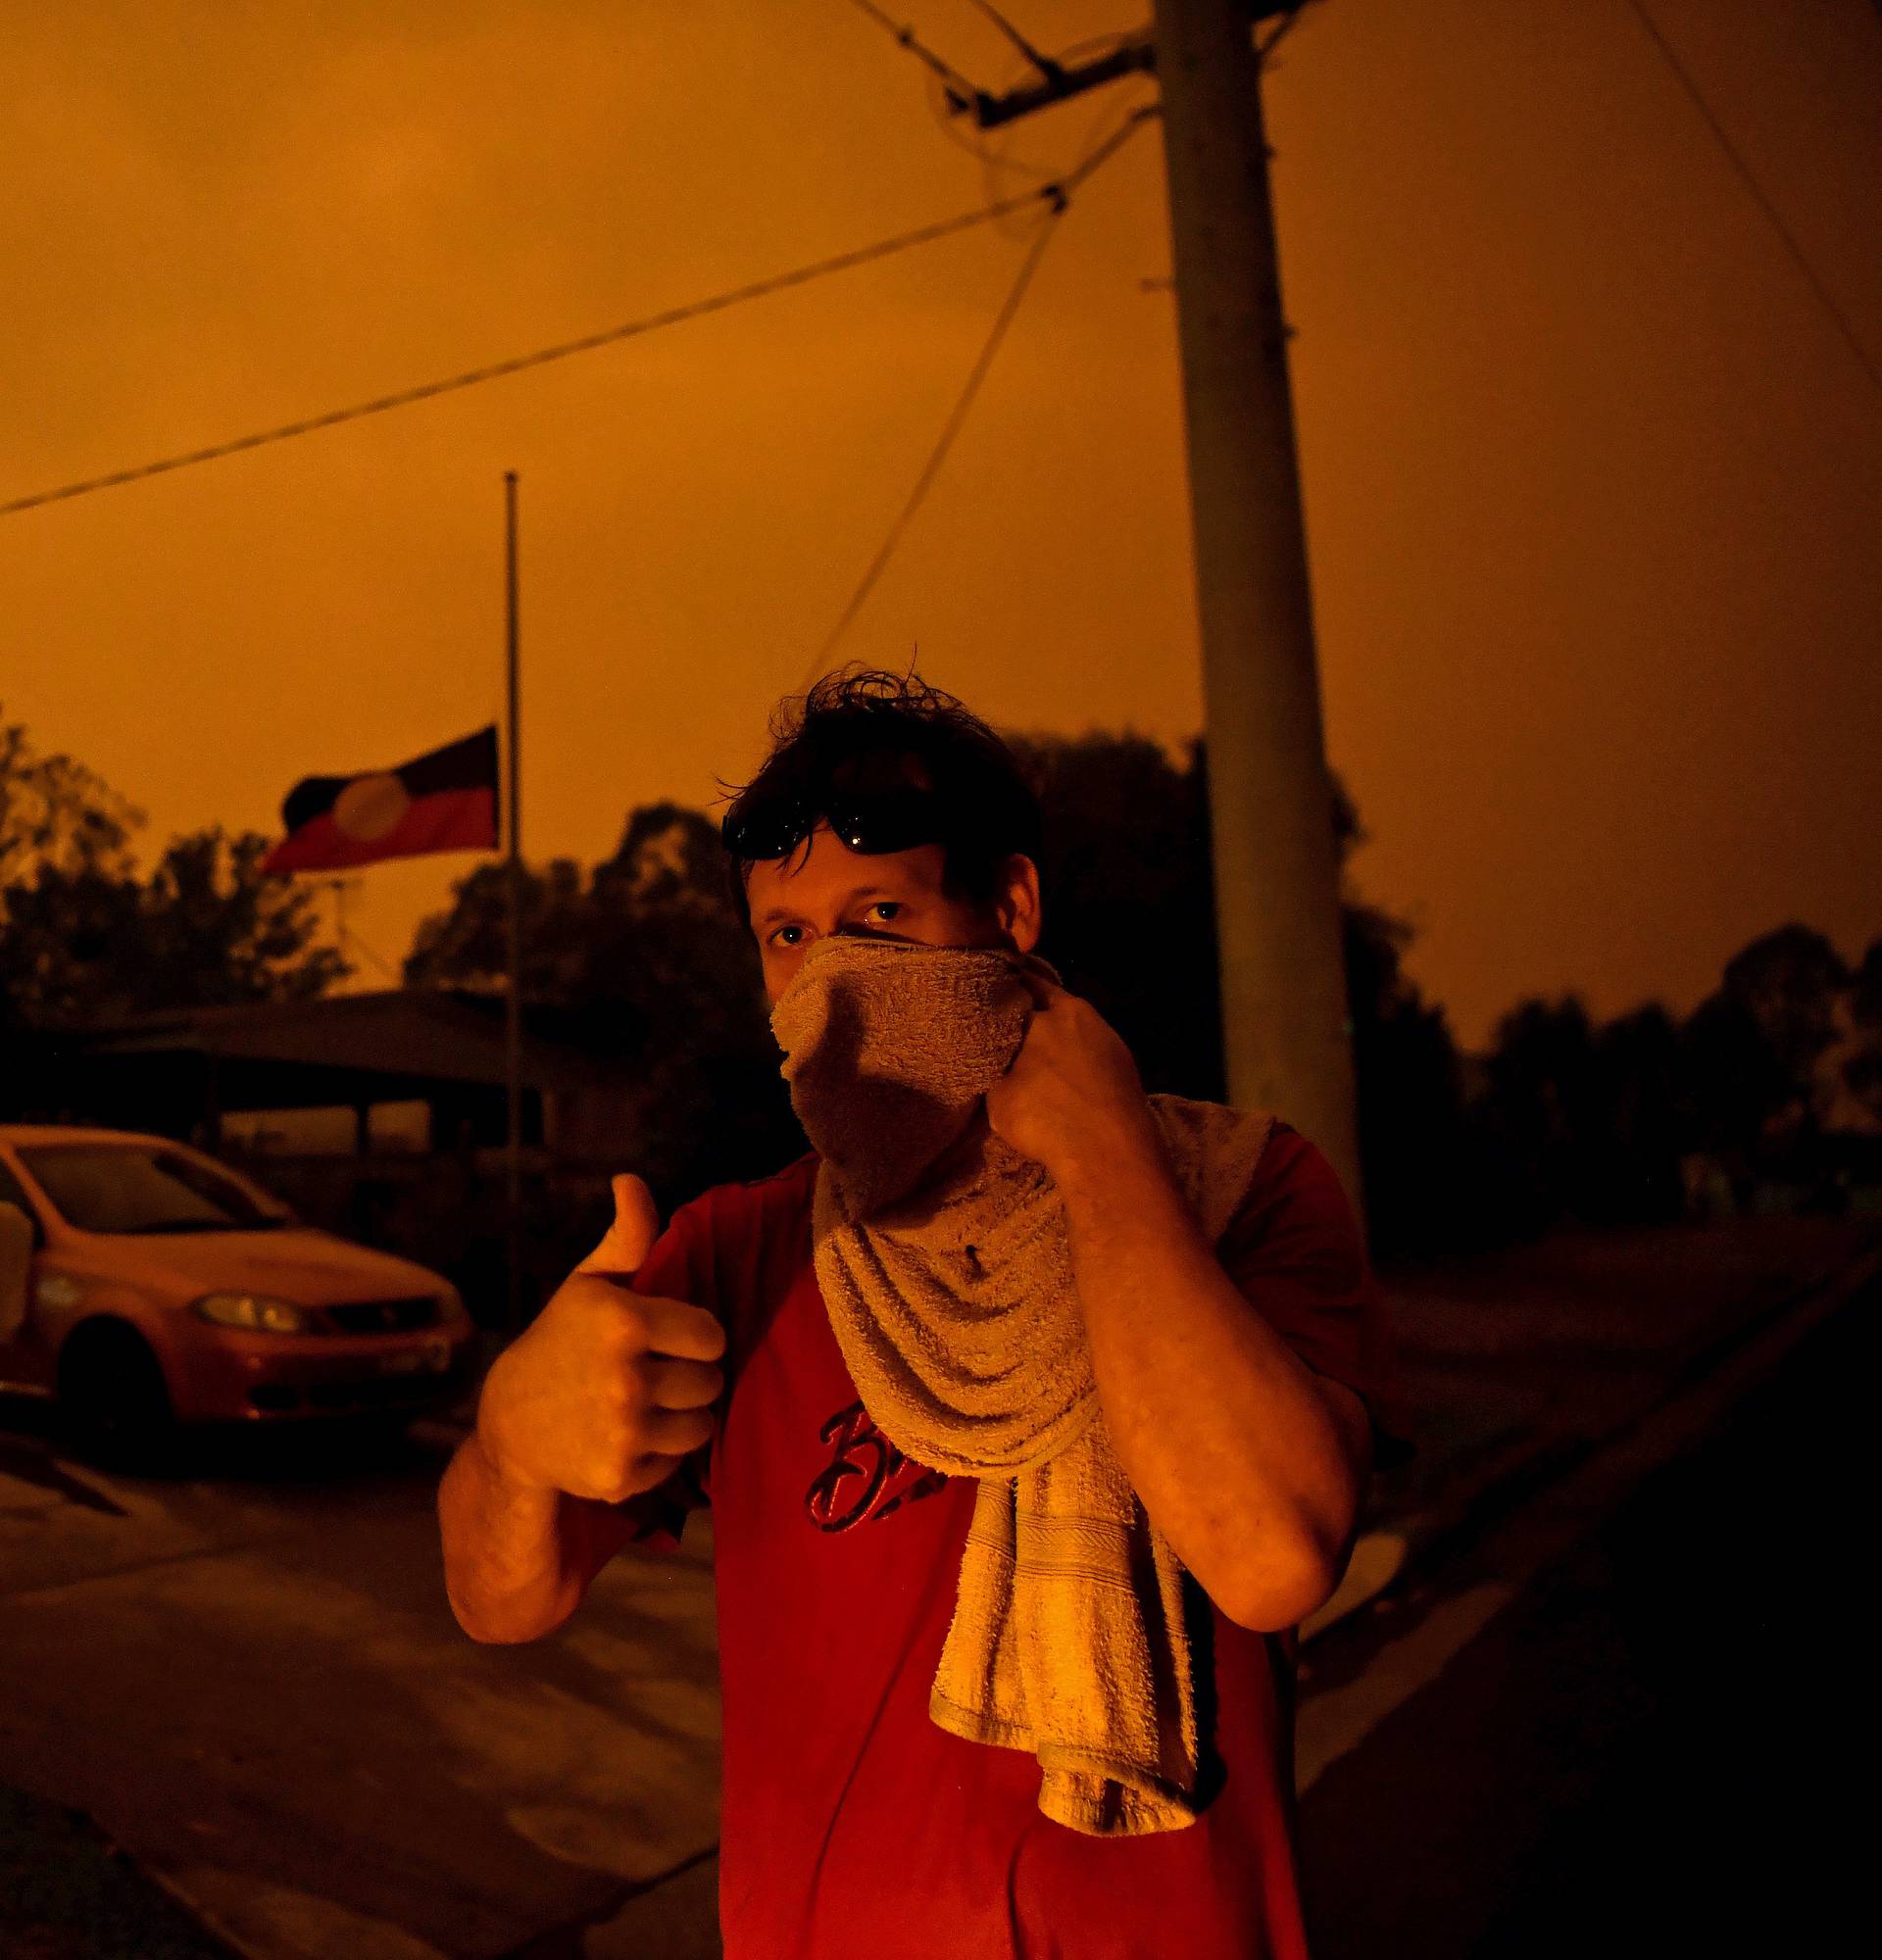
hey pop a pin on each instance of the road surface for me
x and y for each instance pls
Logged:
(1660, 1746)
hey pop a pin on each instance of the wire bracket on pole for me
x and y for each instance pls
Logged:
(1134, 54)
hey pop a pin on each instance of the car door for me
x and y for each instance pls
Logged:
(19, 1238)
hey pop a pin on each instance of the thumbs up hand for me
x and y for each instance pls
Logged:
(630, 1237)
(607, 1389)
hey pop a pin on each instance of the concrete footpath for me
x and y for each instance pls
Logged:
(1522, 1371)
(1648, 1749)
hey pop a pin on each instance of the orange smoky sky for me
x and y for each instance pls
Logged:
(1593, 487)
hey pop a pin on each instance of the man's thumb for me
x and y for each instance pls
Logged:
(631, 1238)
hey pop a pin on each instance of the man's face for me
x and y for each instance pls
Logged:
(824, 887)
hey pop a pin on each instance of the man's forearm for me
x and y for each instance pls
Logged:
(1217, 1423)
(513, 1564)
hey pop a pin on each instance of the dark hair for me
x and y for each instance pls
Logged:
(990, 807)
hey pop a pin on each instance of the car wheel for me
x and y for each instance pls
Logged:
(114, 1399)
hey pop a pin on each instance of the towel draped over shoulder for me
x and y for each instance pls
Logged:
(944, 1261)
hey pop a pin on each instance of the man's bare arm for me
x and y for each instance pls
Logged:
(600, 1398)
(1252, 1464)
(518, 1560)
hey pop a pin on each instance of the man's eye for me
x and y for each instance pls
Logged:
(890, 905)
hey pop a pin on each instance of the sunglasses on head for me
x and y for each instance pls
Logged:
(869, 821)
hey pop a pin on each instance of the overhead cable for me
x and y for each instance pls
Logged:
(541, 356)
(351, 938)
(1060, 193)
(931, 469)
(1755, 191)
(1043, 62)
(957, 83)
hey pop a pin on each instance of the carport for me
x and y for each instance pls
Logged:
(181, 1074)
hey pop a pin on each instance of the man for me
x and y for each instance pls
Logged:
(1238, 1382)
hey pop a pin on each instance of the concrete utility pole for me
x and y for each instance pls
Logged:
(513, 886)
(1277, 899)
(1287, 1035)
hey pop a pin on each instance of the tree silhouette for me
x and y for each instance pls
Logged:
(1408, 1088)
(84, 938)
(1571, 1121)
(1788, 982)
(1595, 1124)
(206, 929)
(647, 965)
(1533, 1116)
(468, 943)
(212, 930)
(1126, 893)
(56, 814)
(1128, 884)
(648, 950)
(1863, 1066)
(1631, 1170)
(648, 968)
(1731, 1081)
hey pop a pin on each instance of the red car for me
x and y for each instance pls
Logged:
(145, 1285)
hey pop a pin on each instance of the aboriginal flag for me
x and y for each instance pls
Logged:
(446, 800)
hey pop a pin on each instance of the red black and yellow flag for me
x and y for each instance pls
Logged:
(444, 801)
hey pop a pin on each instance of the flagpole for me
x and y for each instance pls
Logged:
(512, 1016)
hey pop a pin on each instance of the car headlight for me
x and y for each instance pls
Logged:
(254, 1312)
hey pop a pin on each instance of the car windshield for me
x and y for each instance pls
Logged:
(145, 1188)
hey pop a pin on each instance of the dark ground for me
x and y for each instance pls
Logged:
(1656, 1747)
(67, 1892)
(1661, 1746)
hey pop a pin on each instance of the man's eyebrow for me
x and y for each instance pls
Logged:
(777, 912)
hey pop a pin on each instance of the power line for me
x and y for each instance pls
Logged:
(344, 935)
(1043, 62)
(983, 362)
(378, 959)
(542, 356)
(957, 417)
(957, 83)
(1825, 298)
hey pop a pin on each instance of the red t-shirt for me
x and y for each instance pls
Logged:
(851, 1824)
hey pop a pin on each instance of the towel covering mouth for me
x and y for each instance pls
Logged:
(952, 1315)
(947, 1275)
(889, 1045)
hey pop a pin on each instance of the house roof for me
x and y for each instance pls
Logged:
(422, 1032)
